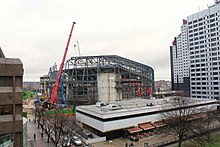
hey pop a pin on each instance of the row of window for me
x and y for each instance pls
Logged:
(203, 79)
(205, 88)
(205, 64)
(201, 42)
(206, 59)
(204, 83)
(203, 18)
(204, 92)
(201, 28)
(203, 23)
(199, 74)
(203, 55)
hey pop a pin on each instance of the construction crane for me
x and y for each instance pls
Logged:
(53, 98)
(149, 90)
(62, 93)
(78, 48)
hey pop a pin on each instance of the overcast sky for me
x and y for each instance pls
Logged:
(36, 31)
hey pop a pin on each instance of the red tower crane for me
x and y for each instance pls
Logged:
(53, 98)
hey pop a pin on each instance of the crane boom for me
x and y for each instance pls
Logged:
(53, 98)
(78, 48)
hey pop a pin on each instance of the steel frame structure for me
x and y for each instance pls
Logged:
(81, 77)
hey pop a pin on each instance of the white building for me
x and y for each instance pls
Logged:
(113, 120)
(203, 41)
(195, 55)
(180, 61)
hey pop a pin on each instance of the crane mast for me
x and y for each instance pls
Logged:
(53, 98)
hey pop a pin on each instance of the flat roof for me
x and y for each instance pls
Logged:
(132, 107)
(10, 61)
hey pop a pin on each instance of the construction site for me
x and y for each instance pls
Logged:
(88, 79)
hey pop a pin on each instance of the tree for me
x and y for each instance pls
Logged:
(178, 117)
(60, 124)
(209, 116)
(49, 128)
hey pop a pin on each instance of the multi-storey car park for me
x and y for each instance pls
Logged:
(88, 79)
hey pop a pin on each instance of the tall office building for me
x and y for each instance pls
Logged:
(203, 41)
(202, 54)
(180, 62)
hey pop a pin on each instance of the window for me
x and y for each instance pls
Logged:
(212, 15)
(212, 20)
(6, 109)
(194, 21)
(212, 25)
(195, 30)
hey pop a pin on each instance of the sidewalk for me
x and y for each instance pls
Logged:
(39, 142)
(122, 142)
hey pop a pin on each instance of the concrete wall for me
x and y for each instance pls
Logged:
(106, 87)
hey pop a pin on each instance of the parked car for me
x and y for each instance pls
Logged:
(76, 140)
(89, 135)
(66, 142)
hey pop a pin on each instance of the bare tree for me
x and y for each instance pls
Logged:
(177, 117)
(59, 122)
(49, 128)
(69, 127)
(208, 117)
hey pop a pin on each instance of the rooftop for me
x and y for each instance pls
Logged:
(10, 61)
(130, 107)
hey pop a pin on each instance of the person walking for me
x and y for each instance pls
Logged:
(34, 136)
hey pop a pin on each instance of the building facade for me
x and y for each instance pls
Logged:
(11, 120)
(203, 41)
(195, 55)
(180, 62)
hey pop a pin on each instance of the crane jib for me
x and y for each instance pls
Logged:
(53, 98)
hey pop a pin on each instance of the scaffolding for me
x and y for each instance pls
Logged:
(81, 77)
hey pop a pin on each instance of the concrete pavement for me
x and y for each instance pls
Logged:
(39, 141)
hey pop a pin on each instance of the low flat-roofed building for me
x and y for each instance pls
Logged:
(106, 121)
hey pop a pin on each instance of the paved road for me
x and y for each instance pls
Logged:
(39, 141)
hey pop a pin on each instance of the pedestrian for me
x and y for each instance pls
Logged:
(126, 144)
(131, 145)
(34, 136)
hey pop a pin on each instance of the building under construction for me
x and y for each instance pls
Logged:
(88, 79)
